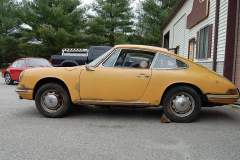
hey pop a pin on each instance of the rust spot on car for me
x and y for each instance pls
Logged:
(77, 87)
(217, 81)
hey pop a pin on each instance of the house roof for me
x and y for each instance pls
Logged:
(174, 11)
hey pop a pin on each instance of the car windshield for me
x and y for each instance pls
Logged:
(38, 62)
(97, 60)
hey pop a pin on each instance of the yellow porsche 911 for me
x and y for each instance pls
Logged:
(129, 75)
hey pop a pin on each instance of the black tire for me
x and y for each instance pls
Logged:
(8, 79)
(181, 104)
(52, 100)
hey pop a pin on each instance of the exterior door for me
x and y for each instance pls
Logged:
(191, 50)
(21, 65)
(114, 84)
(123, 76)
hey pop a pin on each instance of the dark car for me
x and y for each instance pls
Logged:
(13, 72)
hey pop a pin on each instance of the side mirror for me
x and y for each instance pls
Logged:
(89, 68)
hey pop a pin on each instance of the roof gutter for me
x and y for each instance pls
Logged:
(216, 37)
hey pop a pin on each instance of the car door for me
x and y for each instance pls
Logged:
(11, 69)
(115, 79)
(21, 65)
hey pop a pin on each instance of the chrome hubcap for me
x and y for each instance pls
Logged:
(182, 104)
(52, 101)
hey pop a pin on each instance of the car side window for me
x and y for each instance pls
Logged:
(129, 58)
(21, 63)
(14, 64)
(111, 59)
(167, 62)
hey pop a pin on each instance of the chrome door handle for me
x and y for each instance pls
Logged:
(147, 76)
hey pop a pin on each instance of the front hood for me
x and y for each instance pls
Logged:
(55, 69)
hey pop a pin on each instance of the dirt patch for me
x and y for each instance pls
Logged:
(235, 107)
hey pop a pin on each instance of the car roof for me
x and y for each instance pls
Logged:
(153, 48)
(142, 47)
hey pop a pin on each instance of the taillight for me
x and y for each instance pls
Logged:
(51, 60)
(232, 92)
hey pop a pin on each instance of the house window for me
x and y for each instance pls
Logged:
(203, 43)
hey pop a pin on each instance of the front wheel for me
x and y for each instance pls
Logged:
(8, 79)
(181, 104)
(52, 100)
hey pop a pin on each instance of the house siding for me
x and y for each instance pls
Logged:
(223, 11)
(179, 34)
(192, 33)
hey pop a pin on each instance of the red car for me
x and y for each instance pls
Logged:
(13, 72)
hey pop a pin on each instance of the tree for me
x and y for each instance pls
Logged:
(111, 21)
(54, 23)
(154, 14)
(9, 28)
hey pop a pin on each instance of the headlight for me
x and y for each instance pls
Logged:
(21, 76)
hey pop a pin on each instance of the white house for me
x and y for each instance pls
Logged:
(207, 32)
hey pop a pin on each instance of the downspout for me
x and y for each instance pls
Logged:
(236, 44)
(216, 36)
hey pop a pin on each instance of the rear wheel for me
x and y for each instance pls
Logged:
(8, 79)
(181, 104)
(52, 100)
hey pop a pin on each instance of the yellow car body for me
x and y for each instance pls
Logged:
(99, 85)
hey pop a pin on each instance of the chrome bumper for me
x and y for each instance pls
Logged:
(22, 91)
(25, 93)
(225, 99)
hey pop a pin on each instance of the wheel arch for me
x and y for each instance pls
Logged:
(197, 89)
(48, 80)
(6, 73)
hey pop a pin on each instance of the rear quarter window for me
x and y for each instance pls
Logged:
(168, 62)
